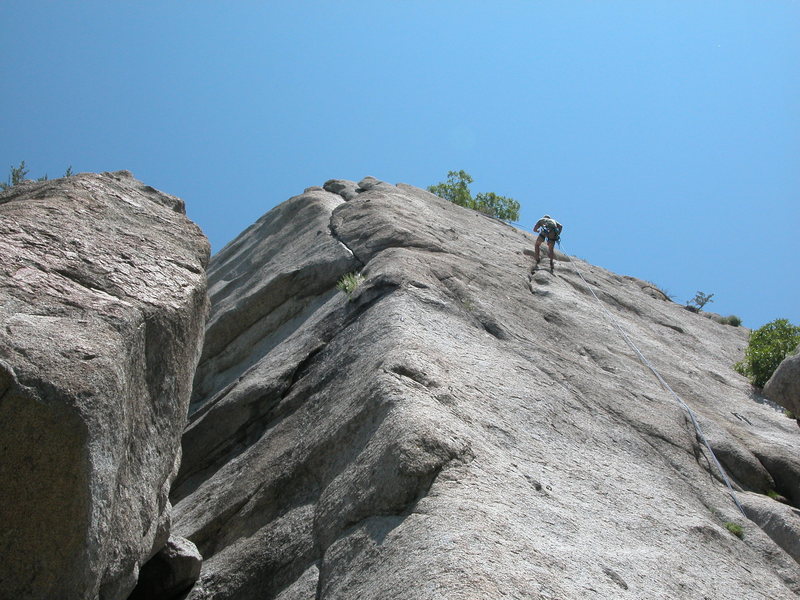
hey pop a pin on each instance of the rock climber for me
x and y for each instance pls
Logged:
(551, 231)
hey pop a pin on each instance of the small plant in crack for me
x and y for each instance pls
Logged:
(777, 497)
(735, 529)
(467, 304)
(350, 282)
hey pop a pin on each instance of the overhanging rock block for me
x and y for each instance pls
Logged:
(102, 309)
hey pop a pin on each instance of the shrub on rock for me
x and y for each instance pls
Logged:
(767, 347)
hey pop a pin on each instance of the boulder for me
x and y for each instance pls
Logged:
(459, 427)
(102, 310)
(342, 187)
(784, 385)
(172, 571)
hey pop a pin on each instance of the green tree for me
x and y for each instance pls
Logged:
(699, 301)
(456, 190)
(17, 175)
(767, 347)
(20, 174)
(497, 206)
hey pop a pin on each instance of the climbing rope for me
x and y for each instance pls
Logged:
(666, 386)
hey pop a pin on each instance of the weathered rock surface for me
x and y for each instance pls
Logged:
(784, 385)
(461, 428)
(102, 309)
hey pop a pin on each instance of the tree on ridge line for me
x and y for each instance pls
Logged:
(456, 190)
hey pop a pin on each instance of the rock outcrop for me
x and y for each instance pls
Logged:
(784, 385)
(459, 427)
(102, 311)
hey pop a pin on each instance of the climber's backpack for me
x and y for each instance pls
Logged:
(550, 229)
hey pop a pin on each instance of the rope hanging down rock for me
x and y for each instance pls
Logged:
(666, 386)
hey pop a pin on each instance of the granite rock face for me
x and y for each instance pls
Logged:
(459, 427)
(102, 311)
(784, 385)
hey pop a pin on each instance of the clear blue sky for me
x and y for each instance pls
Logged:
(665, 135)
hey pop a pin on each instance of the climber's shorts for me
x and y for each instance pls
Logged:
(549, 237)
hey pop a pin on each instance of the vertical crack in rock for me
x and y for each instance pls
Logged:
(302, 368)
(333, 230)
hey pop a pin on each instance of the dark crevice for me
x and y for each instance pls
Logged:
(554, 319)
(413, 374)
(88, 282)
(318, 594)
(228, 449)
(785, 472)
(335, 235)
(367, 298)
(303, 368)
(293, 313)
(303, 482)
(669, 325)
(735, 414)
(493, 328)
(272, 407)
(196, 269)
(614, 576)
(407, 245)
(266, 412)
